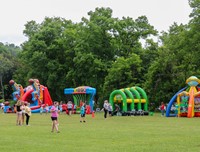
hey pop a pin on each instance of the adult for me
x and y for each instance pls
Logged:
(19, 113)
(105, 108)
(27, 113)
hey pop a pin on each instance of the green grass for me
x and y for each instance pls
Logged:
(115, 134)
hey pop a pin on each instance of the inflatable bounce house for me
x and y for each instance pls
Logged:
(130, 100)
(82, 94)
(36, 94)
(187, 100)
(7, 108)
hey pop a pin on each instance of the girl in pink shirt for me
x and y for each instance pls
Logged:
(54, 117)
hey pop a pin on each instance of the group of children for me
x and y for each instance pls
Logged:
(22, 110)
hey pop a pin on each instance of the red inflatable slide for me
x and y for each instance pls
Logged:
(35, 107)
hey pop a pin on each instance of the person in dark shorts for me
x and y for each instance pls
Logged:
(54, 117)
(69, 107)
(82, 113)
(105, 108)
(19, 113)
(27, 113)
(110, 109)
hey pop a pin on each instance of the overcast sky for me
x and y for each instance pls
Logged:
(14, 14)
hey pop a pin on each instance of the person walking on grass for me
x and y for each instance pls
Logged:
(54, 117)
(105, 108)
(23, 112)
(69, 107)
(19, 113)
(27, 113)
(82, 119)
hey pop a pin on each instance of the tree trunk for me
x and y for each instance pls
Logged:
(2, 88)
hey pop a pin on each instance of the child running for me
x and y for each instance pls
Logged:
(54, 117)
(82, 113)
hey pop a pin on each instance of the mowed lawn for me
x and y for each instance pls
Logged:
(115, 134)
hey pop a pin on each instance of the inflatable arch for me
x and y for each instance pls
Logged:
(130, 99)
(82, 94)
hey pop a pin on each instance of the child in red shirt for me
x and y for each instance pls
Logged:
(162, 108)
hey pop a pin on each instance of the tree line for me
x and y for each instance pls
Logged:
(106, 53)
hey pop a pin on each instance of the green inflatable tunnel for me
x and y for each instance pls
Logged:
(134, 98)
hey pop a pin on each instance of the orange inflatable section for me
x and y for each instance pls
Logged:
(191, 103)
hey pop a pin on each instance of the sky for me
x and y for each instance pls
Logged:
(14, 14)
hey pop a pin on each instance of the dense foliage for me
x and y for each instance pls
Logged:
(8, 65)
(106, 53)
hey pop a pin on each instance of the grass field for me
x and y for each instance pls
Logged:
(115, 134)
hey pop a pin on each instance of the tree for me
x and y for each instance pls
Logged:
(64, 54)
(177, 58)
(124, 73)
(8, 65)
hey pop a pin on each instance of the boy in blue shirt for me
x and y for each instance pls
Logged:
(82, 113)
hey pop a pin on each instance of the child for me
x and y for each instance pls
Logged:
(69, 107)
(74, 108)
(60, 107)
(27, 113)
(110, 109)
(54, 117)
(162, 108)
(41, 109)
(23, 112)
(82, 113)
(47, 108)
